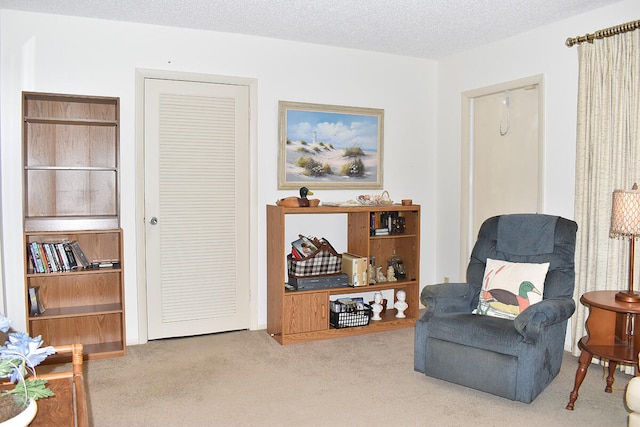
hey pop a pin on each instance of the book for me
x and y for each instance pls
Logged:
(62, 254)
(381, 232)
(35, 258)
(50, 259)
(72, 259)
(295, 253)
(43, 257)
(32, 265)
(54, 254)
(304, 246)
(79, 254)
(35, 303)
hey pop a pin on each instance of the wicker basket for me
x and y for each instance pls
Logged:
(323, 262)
(350, 319)
(383, 199)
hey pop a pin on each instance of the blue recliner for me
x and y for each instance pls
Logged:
(515, 359)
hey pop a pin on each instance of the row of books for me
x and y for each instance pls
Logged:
(57, 257)
(389, 223)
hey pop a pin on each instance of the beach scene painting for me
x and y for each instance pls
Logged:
(329, 147)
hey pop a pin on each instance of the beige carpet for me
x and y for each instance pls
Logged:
(247, 379)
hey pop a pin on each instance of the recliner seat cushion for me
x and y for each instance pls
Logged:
(492, 333)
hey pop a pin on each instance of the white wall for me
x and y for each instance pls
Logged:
(541, 51)
(51, 53)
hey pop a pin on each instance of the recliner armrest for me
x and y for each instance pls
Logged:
(448, 298)
(547, 312)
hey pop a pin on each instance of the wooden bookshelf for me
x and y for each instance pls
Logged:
(71, 193)
(300, 316)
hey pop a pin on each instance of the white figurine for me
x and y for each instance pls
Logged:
(372, 275)
(380, 277)
(401, 305)
(376, 307)
(391, 274)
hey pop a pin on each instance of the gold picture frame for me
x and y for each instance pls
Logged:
(329, 146)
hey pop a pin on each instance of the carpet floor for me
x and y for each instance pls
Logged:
(246, 378)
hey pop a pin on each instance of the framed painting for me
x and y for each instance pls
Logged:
(329, 146)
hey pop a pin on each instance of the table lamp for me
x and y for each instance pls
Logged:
(625, 223)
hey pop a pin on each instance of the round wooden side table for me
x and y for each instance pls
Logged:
(610, 335)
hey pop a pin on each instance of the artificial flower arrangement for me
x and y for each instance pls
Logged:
(19, 356)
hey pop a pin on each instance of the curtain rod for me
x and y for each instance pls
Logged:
(607, 32)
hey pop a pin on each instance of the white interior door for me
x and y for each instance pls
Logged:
(505, 154)
(196, 144)
(502, 156)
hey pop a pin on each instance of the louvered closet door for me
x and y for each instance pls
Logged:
(196, 207)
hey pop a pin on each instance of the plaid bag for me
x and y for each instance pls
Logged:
(324, 261)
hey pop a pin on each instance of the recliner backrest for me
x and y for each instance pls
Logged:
(528, 238)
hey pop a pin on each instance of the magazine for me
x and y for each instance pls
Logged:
(304, 246)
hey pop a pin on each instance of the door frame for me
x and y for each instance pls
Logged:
(141, 276)
(466, 157)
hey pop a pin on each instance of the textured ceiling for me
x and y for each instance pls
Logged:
(421, 28)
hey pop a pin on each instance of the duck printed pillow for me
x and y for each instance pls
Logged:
(508, 288)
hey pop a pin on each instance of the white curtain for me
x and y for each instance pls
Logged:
(607, 158)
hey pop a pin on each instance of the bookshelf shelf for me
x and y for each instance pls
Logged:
(394, 237)
(70, 121)
(301, 316)
(78, 311)
(30, 272)
(70, 168)
(71, 193)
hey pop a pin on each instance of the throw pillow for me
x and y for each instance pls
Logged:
(509, 287)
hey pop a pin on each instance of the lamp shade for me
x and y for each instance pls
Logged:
(625, 213)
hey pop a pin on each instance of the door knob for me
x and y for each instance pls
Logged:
(153, 220)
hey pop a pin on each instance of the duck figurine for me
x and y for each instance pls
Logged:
(299, 202)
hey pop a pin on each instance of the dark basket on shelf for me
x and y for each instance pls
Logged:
(350, 319)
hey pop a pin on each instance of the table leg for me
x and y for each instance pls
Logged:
(583, 365)
(612, 369)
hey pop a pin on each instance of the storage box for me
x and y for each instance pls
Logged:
(350, 319)
(355, 266)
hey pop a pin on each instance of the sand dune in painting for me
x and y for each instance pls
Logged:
(331, 164)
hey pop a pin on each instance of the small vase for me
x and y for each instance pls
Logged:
(24, 418)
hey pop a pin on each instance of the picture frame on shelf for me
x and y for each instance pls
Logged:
(329, 146)
(35, 302)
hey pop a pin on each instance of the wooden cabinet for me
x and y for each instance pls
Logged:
(306, 312)
(71, 193)
(298, 316)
